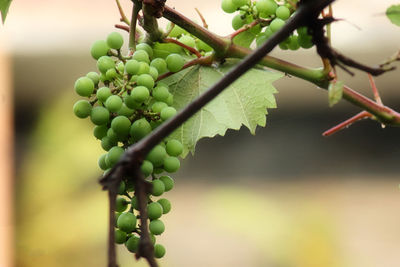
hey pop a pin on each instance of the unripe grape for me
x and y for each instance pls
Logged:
(115, 40)
(158, 106)
(239, 3)
(113, 103)
(99, 49)
(171, 164)
(103, 77)
(203, 46)
(121, 125)
(187, 40)
(158, 187)
(100, 131)
(175, 62)
(159, 64)
(293, 43)
(165, 204)
(177, 31)
(144, 68)
(170, 100)
(139, 129)
(112, 136)
(132, 67)
(159, 251)
(305, 41)
(283, 46)
(94, 76)
(156, 227)
(121, 204)
(174, 148)
(134, 202)
(282, 12)
(125, 111)
(121, 188)
(228, 6)
(145, 80)
(84, 86)
(161, 93)
(154, 210)
(267, 7)
(82, 108)
(131, 103)
(146, 168)
(167, 113)
(133, 244)
(111, 74)
(302, 30)
(120, 236)
(276, 24)
(157, 155)
(117, 214)
(102, 162)
(121, 67)
(103, 93)
(126, 222)
(107, 144)
(153, 73)
(105, 63)
(145, 47)
(141, 56)
(114, 155)
(140, 94)
(99, 115)
(261, 39)
(237, 22)
(168, 182)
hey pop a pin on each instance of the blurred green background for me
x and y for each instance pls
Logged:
(285, 197)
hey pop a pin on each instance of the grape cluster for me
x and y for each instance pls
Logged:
(126, 102)
(272, 17)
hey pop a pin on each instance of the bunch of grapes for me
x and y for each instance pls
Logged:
(272, 16)
(126, 102)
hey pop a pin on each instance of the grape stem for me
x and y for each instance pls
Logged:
(132, 29)
(247, 26)
(122, 13)
(203, 20)
(189, 48)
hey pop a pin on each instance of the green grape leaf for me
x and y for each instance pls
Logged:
(245, 102)
(393, 13)
(244, 38)
(335, 92)
(4, 6)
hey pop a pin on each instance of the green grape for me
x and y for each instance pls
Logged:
(120, 236)
(125, 111)
(114, 155)
(113, 103)
(203, 46)
(237, 22)
(115, 40)
(153, 73)
(141, 56)
(239, 3)
(82, 108)
(126, 222)
(112, 136)
(105, 63)
(170, 100)
(162, 50)
(293, 43)
(228, 6)
(161, 93)
(121, 67)
(158, 106)
(167, 113)
(302, 30)
(103, 93)
(256, 29)
(165, 204)
(144, 68)
(283, 46)
(158, 170)
(159, 251)
(117, 214)
(156, 227)
(99, 115)
(84, 86)
(175, 62)
(131, 103)
(187, 40)
(140, 94)
(157, 155)
(305, 41)
(121, 125)
(158, 187)
(103, 77)
(121, 188)
(145, 47)
(102, 162)
(177, 31)
(174, 148)
(100, 131)
(168, 182)
(135, 203)
(152, 238)
(267, 7)
(159, 64)
(133, 244)
(94, 76)
(145, 80)
(107, 144)
(154, 210)
(146, 168)
(261, 39)
(111, 74)
(171, 164)
(121, 204)
(139, 129)
(132, 67)
(276, 24)
(282, 12)
(99, 49)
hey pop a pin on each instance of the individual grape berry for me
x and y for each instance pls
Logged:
(121, 204)
(167, 113)
(154, 210)
(146, 168)
(237, 22)
(131, 103)
(282, 12)
(152, 238)
(115, 40)
(302, 30)
(283, 46)
(187, 40)
(203, 46)
(157, 155)
(293, 43)
(111, 74)
(267, 7)
(276, 24)
(144, 68)
(121, 188)
(139, 129)
(175, 62)
(117, 214)
(158, 187)
(153, 73)
(161, 93)
(228, 6)
(305, 41)
(114, 155)
(165, 204)
(105, 63)
(99, 49)
(158, 106)
(100, 131)
(103, 77)
(126, 222)
(134, 203)
(159, 251)
(99, 115)
(120, 236)
(133, 244)
(170, 100)
(158, 170)
(132, 67)
(121, 67)
(145, 80)
(159, 64)
(177, 31)
(140, 94)
(82, 108)
(102, 162)
(84, 86)
(125, 111)
(174, 148)
(168, 182)
(103, 93)
(239, 3)
(113, 103)
(171, 164)
(121, 125)
(141, 56)
(94, 76)
(107, 144)
(145, 47)
(156, 227)
(112, 136)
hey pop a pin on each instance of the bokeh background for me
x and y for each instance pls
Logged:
(284, 197)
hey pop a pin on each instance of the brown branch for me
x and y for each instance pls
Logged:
(203, 20)
(246, 27)
(347, 123)
(112, 256)
(122, 27)
(189, 48)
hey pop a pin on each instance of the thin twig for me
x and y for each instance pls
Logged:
(122, 13)
(246, 27)
(205, 25)
(375, 90)
(347, 123)
(189, 48)
(122, 27)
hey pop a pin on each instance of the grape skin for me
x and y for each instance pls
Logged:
(84, 86)
(115, 40)
(126, 222)
(154, 210)
(175, 62)
(165, 204)
(159, 251)
(168, 182)
(158, 188)
(99, 49)
(171, 164)
(156, 227)
(82, 108)
(99, 115)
